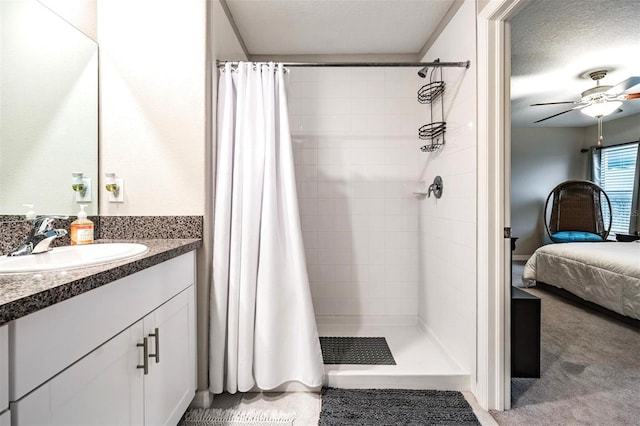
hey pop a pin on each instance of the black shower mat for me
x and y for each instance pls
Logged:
(356, 350)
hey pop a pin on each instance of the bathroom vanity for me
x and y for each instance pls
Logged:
(109, 344)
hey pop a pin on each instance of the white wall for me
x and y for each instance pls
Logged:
(541, 158)
(448, 225)
(356, 153)
(153, 94)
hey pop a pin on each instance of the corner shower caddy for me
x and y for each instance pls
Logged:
(429, 94)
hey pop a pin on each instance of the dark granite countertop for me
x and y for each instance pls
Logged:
(24, 293)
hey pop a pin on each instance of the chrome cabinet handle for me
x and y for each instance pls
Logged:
(156, 334)
(145, 358)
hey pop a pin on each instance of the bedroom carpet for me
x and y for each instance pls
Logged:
(590, 371)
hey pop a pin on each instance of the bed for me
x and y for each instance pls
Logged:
(604, 273)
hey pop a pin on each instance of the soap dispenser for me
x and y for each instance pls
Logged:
(81, 229)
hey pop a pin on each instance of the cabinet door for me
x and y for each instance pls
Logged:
(170, 385)
(103, 388)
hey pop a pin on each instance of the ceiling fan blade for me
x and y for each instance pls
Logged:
(632, 96)
(560, 113)
(555, 103)
(625, 85)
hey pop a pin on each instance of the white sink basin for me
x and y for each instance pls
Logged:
(69, 257)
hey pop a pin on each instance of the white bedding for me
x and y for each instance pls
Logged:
(606, 273)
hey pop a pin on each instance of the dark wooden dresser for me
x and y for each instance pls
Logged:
(525, 334)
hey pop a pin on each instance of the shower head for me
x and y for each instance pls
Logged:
(423, 72)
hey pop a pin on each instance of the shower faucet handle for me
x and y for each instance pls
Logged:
(436, 187)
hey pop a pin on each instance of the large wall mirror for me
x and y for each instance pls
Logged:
(48, 110)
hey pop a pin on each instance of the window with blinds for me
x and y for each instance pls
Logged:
(617, 173)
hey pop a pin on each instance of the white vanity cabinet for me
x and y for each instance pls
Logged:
(102, 388)
(4, 376)
(143, 373)
(170, 385)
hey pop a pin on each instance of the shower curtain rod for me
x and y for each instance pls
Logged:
(464, 64)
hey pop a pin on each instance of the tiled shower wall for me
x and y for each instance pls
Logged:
(357, 161)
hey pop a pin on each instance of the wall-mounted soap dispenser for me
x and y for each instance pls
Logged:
(115, 187)
(82, 187)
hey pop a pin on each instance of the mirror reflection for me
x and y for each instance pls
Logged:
(48, 111)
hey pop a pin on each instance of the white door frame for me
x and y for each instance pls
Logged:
(492, 386)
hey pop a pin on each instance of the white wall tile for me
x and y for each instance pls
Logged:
(309, 223)
(343, 273)
(354, 169)
(307, 189)
(326, 273)
(371, 306)
(326, 206)
(410, 305)
(393, 306)
(310, 239)
(447, 227)
(310, 156)
(393, 223)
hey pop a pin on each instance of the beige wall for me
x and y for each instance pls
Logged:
(224, 43)
(626, 129)
(541, 158)
(153, 104)
(80, 13)
(482, 4)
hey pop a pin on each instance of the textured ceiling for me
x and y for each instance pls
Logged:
(555, 43)
(329, 27)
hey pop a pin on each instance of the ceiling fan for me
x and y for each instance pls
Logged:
(599, 101)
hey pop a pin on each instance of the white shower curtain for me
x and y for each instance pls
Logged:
(262, 325)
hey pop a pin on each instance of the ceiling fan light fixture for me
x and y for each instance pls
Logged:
(601, 108)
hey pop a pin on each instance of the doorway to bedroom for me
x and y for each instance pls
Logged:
(583, 365)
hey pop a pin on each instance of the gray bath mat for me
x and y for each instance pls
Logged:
(356, 350)
(351, 407)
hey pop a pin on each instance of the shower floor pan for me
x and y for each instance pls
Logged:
(421, 363)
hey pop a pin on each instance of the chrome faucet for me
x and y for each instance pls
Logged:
(41, 236)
